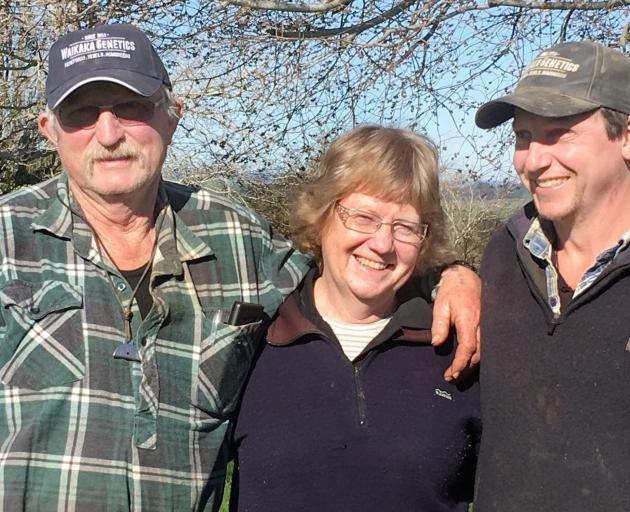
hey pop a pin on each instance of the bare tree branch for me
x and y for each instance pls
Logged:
(278, 5)
(565, 25)
(544, 5)
(354, 29)
(266, 84)
(623, 39)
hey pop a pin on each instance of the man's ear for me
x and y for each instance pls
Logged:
(625, 138)
(47, 127)
(174, 121)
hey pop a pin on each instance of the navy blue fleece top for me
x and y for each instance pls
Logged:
(316, 432)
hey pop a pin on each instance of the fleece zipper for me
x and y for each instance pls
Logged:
(359, 393)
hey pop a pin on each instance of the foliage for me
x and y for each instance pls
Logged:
(271, 196)
(474, 210)
(473, 215)
(225, 504)
(268, 83)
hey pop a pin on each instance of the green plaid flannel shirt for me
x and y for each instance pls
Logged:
(81, 431)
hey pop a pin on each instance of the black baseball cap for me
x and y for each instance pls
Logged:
(567, 79)
(120, 53)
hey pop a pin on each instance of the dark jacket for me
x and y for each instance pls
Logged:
(555, 392)
(318, 433)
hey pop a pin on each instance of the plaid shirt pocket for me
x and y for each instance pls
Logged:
(227, 352)
(42, 342)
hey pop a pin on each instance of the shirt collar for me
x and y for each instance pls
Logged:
(540, 244)
(56, 219)
(539, 239)
(537, 242)
(176, 242)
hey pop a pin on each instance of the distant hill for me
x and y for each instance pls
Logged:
(487, 189)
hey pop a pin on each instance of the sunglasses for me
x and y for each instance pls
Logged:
(128, 113)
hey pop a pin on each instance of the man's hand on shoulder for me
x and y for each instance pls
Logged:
(458, 303)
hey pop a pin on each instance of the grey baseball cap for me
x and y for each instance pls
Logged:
(564, 80)
(118, 53)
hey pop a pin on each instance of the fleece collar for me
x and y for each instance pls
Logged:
(297, 318)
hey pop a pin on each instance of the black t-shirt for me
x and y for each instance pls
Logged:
(145, 301)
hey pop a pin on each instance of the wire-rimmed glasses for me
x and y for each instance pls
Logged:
(364, 222)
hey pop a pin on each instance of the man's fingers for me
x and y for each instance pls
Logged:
(463, 355)
(458, 304)
(441, 323)
(476, 358)
(467, 351)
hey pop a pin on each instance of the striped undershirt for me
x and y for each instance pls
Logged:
(353, 338)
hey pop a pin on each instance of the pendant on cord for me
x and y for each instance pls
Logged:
(127, 351)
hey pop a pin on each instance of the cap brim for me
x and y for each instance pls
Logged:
(538, 101)
(136, 82)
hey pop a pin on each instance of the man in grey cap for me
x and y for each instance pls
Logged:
(556, 281)
(120, 361)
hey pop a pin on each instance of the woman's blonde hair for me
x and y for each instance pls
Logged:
(392, 165)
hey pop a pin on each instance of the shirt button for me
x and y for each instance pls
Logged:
(553, 301)
(121, 286)
(34, 309)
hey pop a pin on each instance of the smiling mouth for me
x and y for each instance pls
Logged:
(550, 183)
(376, 265)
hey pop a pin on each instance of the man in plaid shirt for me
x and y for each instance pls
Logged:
(119, 364)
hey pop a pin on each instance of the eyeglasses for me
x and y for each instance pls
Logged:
(368, 223)
(128, 113)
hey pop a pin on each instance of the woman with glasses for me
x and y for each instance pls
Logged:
(346, 408)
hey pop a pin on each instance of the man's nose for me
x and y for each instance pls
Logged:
(538, 157)
(108, 130)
